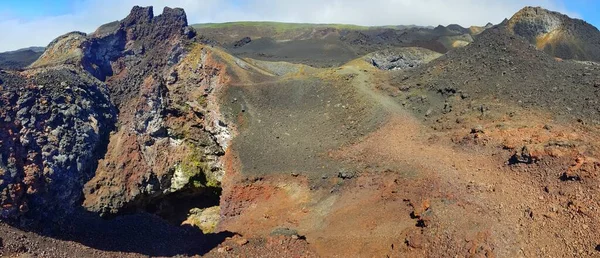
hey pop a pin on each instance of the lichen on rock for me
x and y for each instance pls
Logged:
(206, 219)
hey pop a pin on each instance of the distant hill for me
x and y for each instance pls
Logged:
(326, 45)
(557, 34)
(21, 58)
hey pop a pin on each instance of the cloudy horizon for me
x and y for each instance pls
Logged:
(25, 27)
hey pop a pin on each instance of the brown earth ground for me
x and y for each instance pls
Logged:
(419, 191)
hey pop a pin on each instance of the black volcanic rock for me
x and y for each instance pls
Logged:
(242, 42)
(139, 15)
(172, 17)
(146, 46)
(54, 126)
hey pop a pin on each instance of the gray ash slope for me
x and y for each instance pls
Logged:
(506, 67)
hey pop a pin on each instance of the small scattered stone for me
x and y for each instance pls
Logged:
(241, 241)
(477, 129)
(224, 249)
(346, 175)
(429, 111)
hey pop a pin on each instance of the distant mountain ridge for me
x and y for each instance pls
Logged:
(20, 58)
(327, 45)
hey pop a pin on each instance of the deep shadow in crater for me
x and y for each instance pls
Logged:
(175, 207)
(143, 232)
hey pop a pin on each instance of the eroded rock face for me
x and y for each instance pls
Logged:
(164, 143)
(55, 123)
(118, 119)
(168, 142)
(402, 58)
(531, 22)
(65, 49)
(556, 33)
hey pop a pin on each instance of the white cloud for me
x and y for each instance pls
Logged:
(92, 13)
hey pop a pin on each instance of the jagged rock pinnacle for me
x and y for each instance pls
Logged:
(139, 15)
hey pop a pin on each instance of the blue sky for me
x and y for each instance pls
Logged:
(589, 10)
(23, 9)
(36, 22)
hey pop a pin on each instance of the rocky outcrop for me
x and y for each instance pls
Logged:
(65, 49)
(170, 141)
(164, 144)
(55, 124)
(127, 40)
(242, 42)
(556, 33)
(144, 79)
(401, 58)
(531, 22)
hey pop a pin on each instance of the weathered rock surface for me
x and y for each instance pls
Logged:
(402, 58)
(142, 78)
(557, 34)
(55, 124)
(205, 219)
(164, 144)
